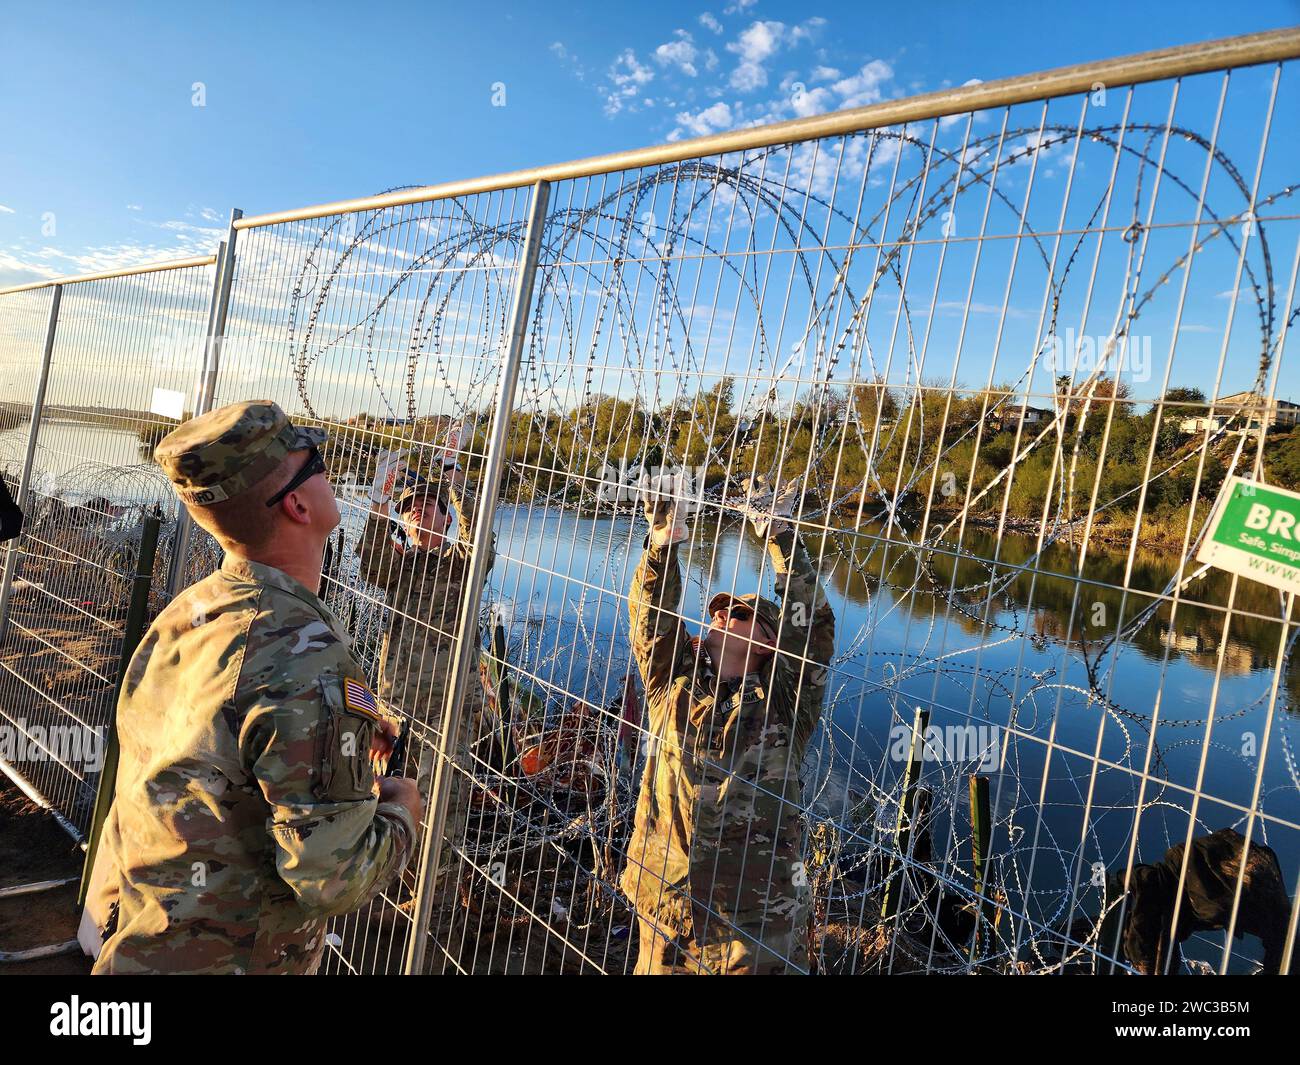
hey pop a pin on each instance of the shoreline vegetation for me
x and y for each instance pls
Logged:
(933, 448)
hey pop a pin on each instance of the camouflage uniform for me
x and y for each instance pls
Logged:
(245, 812)
(425, 590)
(713, 863)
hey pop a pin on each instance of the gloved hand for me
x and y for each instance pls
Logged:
(769, 505)
(668, 503)
(444, 465)
(390, 467)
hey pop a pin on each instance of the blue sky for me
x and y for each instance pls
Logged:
(311, 102)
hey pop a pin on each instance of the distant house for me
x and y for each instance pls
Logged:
(1247, 411)
(1203, 423)
(1007, 417)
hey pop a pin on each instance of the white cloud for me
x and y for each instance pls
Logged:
(807, 29)
(628, 69)
(627, 75)
(568, 58)
(698, 88)
(680, 53)
(758, 41)
(864, 87)
(811, 102)
(20, 265)
(710, 120)
(755, 45)
(134, 207)
(16, 271)
(6, 210)
(748, 76)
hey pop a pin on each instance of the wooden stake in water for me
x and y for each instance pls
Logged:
(981, 823)
(906, 814)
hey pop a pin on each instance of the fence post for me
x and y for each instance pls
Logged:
(464, 668)
(906, 815)
(25, 484)
(981, 824)
(137, 615)
(206, 386)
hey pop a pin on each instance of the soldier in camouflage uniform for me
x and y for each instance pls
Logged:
(424, 581)
(714, 862)
(247, 810)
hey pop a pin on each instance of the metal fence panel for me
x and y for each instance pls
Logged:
(1007, 358)
(117, 342)
(996, 364)
(385, 328)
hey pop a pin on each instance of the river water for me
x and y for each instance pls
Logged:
(1038, 654)
(80, 460)
(1000, 640)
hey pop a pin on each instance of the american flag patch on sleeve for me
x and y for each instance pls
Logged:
(360, 699)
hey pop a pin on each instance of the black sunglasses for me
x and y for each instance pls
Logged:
(315, 464)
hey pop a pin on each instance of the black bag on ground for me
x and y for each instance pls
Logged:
(11, 518)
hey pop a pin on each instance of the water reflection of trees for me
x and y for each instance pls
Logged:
(1011, 586)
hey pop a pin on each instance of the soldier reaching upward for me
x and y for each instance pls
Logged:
(713, 863)
(424, 580)
(247, 810)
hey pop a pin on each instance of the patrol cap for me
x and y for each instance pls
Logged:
(764, 609)
(417, 487)
(223, 453)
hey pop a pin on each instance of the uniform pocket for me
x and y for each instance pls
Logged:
(346, 773)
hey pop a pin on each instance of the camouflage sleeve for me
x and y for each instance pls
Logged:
(659, 638)
(309, 750)
(807, 640)
(465, 499)
(381, 564)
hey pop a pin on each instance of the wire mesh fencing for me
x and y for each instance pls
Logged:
(120, 349)
(783, 557)
(386, 328)
(974, 357)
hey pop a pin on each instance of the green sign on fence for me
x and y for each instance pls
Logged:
(1255, 533)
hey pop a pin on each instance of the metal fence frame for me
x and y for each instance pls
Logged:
(71, 807)
(1168, 64)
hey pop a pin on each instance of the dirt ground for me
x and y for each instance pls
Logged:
(33, 847)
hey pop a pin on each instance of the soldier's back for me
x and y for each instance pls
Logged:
(196, 864)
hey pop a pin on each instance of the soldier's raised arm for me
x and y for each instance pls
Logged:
(308, 727)
(806, 643)
(465, 499)
(660, 640)
(381, 562)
